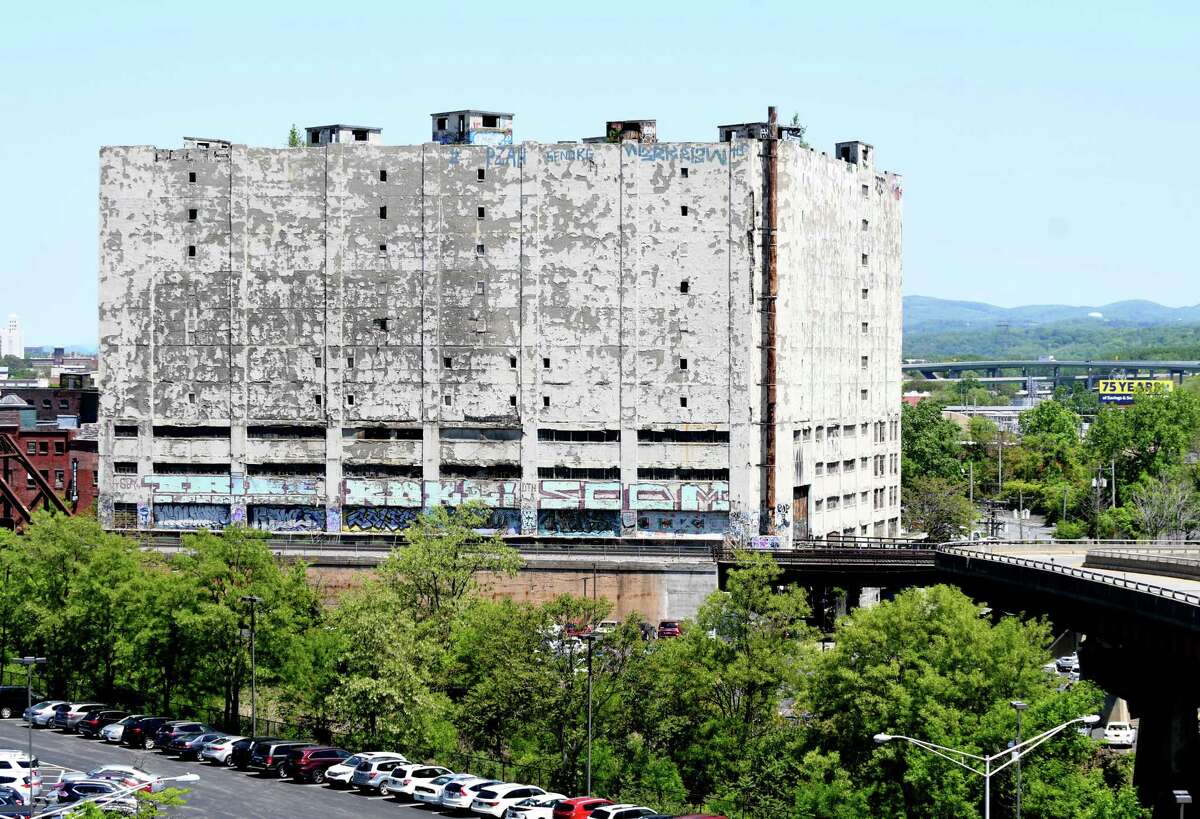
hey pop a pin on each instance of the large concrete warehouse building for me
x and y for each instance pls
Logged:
(618, 337)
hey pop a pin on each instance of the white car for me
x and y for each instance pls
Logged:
(339, 775)
(44, 717)
(494, 800)
(18, 774)
(431, 792)
(218, 750)
(621, 812)
(1067, 662)
(1121, 734)
(115, 730)
(372, 773)
(535, 807)
(404, 778)
(460, 795)
(127, 774)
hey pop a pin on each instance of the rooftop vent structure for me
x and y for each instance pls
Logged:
(340, 134)
(472, 127)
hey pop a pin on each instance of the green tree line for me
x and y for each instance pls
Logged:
(742, 715)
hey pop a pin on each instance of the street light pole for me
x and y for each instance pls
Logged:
(253, 600)
(990, 769)
(591, 638)
(30, 663)
(1019, 707)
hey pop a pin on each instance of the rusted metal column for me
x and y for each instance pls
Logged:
(772, 294)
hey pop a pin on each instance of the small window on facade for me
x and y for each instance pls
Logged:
(490, 121)
(383, 250)
(512, 362)
(545, 400)
(481, 175)
(512, 400)
(866, 190)
(683, 172)
(683, 363)
(446, 400)
(191, 398)
(125, 468)
(866, 293)
(479, 250)
(191, 251)
(383, 211)
(58, 479)
(683, 210)
(864, 362)
(64, 404)
(864, 259)
(59, 447)
(447, 362)
(317, 400)
(381, 324)
(191, 176)
(862, 394)
(349, 400)
(43, 448)
(866, 327)
(865, 224)
(479, 212)
(31, 448)
(46, 403)
(441, 123)
(382, 175)
(480, 288)
(683, 402)
(685, 286)
(545, 363)
(192, 213)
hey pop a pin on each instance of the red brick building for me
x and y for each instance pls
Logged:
(75, 395)
(36, 458)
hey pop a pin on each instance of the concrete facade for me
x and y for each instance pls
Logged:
(330, 338)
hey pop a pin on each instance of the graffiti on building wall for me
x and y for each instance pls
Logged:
(686, 497)
(504, 522)
(143, 515)
(528, 510)
(419, 494)
(579, 522)
(333, 519)
(377, 518)
(257, 485)
(188, 484)
(105, 510)
(237, 514)
(189, 515)
(657, 152)
(287, 518)
(682, 523)
(579, 495)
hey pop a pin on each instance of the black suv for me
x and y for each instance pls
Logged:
(140, 734)
(93, 723)
(272, 757)
(239, 754)
(14, 700)
(176, 728)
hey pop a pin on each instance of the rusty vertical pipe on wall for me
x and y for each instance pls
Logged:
(772, 272)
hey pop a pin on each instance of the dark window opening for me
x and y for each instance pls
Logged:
(350, 361)
(685, 286)
(360, 136)
(479, 249)
(383, 211)
(512, 400)
(683, 436)
(447, 362)
(864, 258)
(383, 176)
(383, 250)
(865, 224)
(865, 293)
(681, 473)
(43, 448)
(125, 467)
(579, 435)
(512, 362)
(576, 473)
(382, 470)
(63, 404)
(447, 400)
(59, 447)
(479, 212)
(192, 214)
(349, 400)
(493, 472)
(125, 431)
(190, 432)
(191, 398)
(545, 363)
(317, 400)
(441, 123)
(545, 400)
(381, 324)
(683, 210)
(683, 402)
(31, 448)
(383, 433)
(866, 190)
(286, 470)
(491, 121)
(277, 431)
(480, 174)
(479, 434)
(191, 251)
(191, 176)
(683, 363)
(58, 479)
(189, 468)
(683, 172)
(316, 361)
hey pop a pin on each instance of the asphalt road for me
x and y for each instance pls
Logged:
(221, 793)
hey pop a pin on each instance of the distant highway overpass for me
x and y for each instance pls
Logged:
(1059, 370)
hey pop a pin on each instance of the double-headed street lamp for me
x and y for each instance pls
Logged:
(1015, 753)
(253, 601)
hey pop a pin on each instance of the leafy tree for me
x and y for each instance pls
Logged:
(294, 138)
(799, 136)
(929, 444)
(936, 507)
(1166, 506)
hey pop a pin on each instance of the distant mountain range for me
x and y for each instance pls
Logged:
(925, 314)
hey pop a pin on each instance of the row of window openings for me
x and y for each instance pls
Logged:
(513, 470)
(890, 463)
(299, 431)
(892, 428)
(851, 499)
(43, 448)
(63, 404)
(59, 479)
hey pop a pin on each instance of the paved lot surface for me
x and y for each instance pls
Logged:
(221, 793)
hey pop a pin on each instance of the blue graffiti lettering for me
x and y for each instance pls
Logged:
(501, 157)
(579, 522)
(191, 515)
(570, 155)
(287, 518)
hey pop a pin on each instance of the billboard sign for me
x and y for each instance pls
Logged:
(1124, 390)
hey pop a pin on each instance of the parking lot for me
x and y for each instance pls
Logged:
(221, 793)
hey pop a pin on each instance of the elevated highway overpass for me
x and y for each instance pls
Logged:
(1066, 369)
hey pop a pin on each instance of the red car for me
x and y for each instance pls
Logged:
(576, 629)
(669, 628)
(579, 807)
(309, 764)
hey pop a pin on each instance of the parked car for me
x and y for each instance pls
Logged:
(41, 712)
(1120, 734)
(66, 719)
(339, 774)
(17, 773)
(14, 699)
(494, 800)
(113, 732)
(669, 628)
(460, 795)
(371, 773)
(579, 807)
(217, 751)
(621, 811)
(310, 764)
(92, 724)
(188, 746)
(607, 626)
(535, 807)
(271, 758)
(127, 774)
(12, 803)
(76, 790)
(140, 734)
(239, 755)
(403, 778)
(48, 721)
(431, 792)
(171, 730)
(1068, 662)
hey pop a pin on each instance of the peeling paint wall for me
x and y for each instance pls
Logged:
(413, 289)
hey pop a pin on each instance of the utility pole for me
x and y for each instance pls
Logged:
(30, 663)
(591, 638)
(1021, 514)
(1112, 465)
(253, 601)
(1018, 706)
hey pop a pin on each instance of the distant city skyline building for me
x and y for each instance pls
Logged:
(11, 340)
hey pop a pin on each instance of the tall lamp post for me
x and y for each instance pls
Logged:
(990, 769)
(30, 663)
(253, 601)
(591, 638)
(1018, 706)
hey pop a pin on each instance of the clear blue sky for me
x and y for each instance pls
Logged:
(1047, 148)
